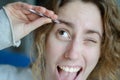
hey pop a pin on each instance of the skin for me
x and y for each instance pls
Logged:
(74, 43)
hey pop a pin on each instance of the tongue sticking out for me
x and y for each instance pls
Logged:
(67, 75)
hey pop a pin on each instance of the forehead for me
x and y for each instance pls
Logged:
(79, 9)
(81, 15)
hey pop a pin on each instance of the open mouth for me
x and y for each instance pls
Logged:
(68, 73)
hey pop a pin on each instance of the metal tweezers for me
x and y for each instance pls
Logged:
(42, 15)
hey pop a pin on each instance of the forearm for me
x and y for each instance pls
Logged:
(6, 32)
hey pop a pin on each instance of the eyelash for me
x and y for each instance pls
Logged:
(62, 35)
(91, 40)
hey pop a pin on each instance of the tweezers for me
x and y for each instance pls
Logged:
(42, 15)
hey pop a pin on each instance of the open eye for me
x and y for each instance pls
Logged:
(63, 34)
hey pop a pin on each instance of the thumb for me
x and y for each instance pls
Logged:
(37, 23)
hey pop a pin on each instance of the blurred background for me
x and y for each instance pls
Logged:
(13, 53)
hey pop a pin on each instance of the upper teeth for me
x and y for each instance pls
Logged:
(69, 69)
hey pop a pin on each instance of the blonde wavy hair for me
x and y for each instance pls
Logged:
(108, 64)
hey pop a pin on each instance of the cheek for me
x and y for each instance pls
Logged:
(54, 49)
(92, 57)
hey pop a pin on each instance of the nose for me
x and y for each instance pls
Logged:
(74, 51)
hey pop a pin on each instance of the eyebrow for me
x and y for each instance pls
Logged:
(93, 31)
(69, 24)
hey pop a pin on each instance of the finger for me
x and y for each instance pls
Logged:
(51, 14)
(55, 16)
(25, 7)
(37, 23)
(22, 6)
(40, 9)
(26, 12)
(32, 17)
(46, 12)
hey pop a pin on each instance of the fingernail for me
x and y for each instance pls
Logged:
(48, 20)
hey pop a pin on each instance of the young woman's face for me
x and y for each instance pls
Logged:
(73, 46)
